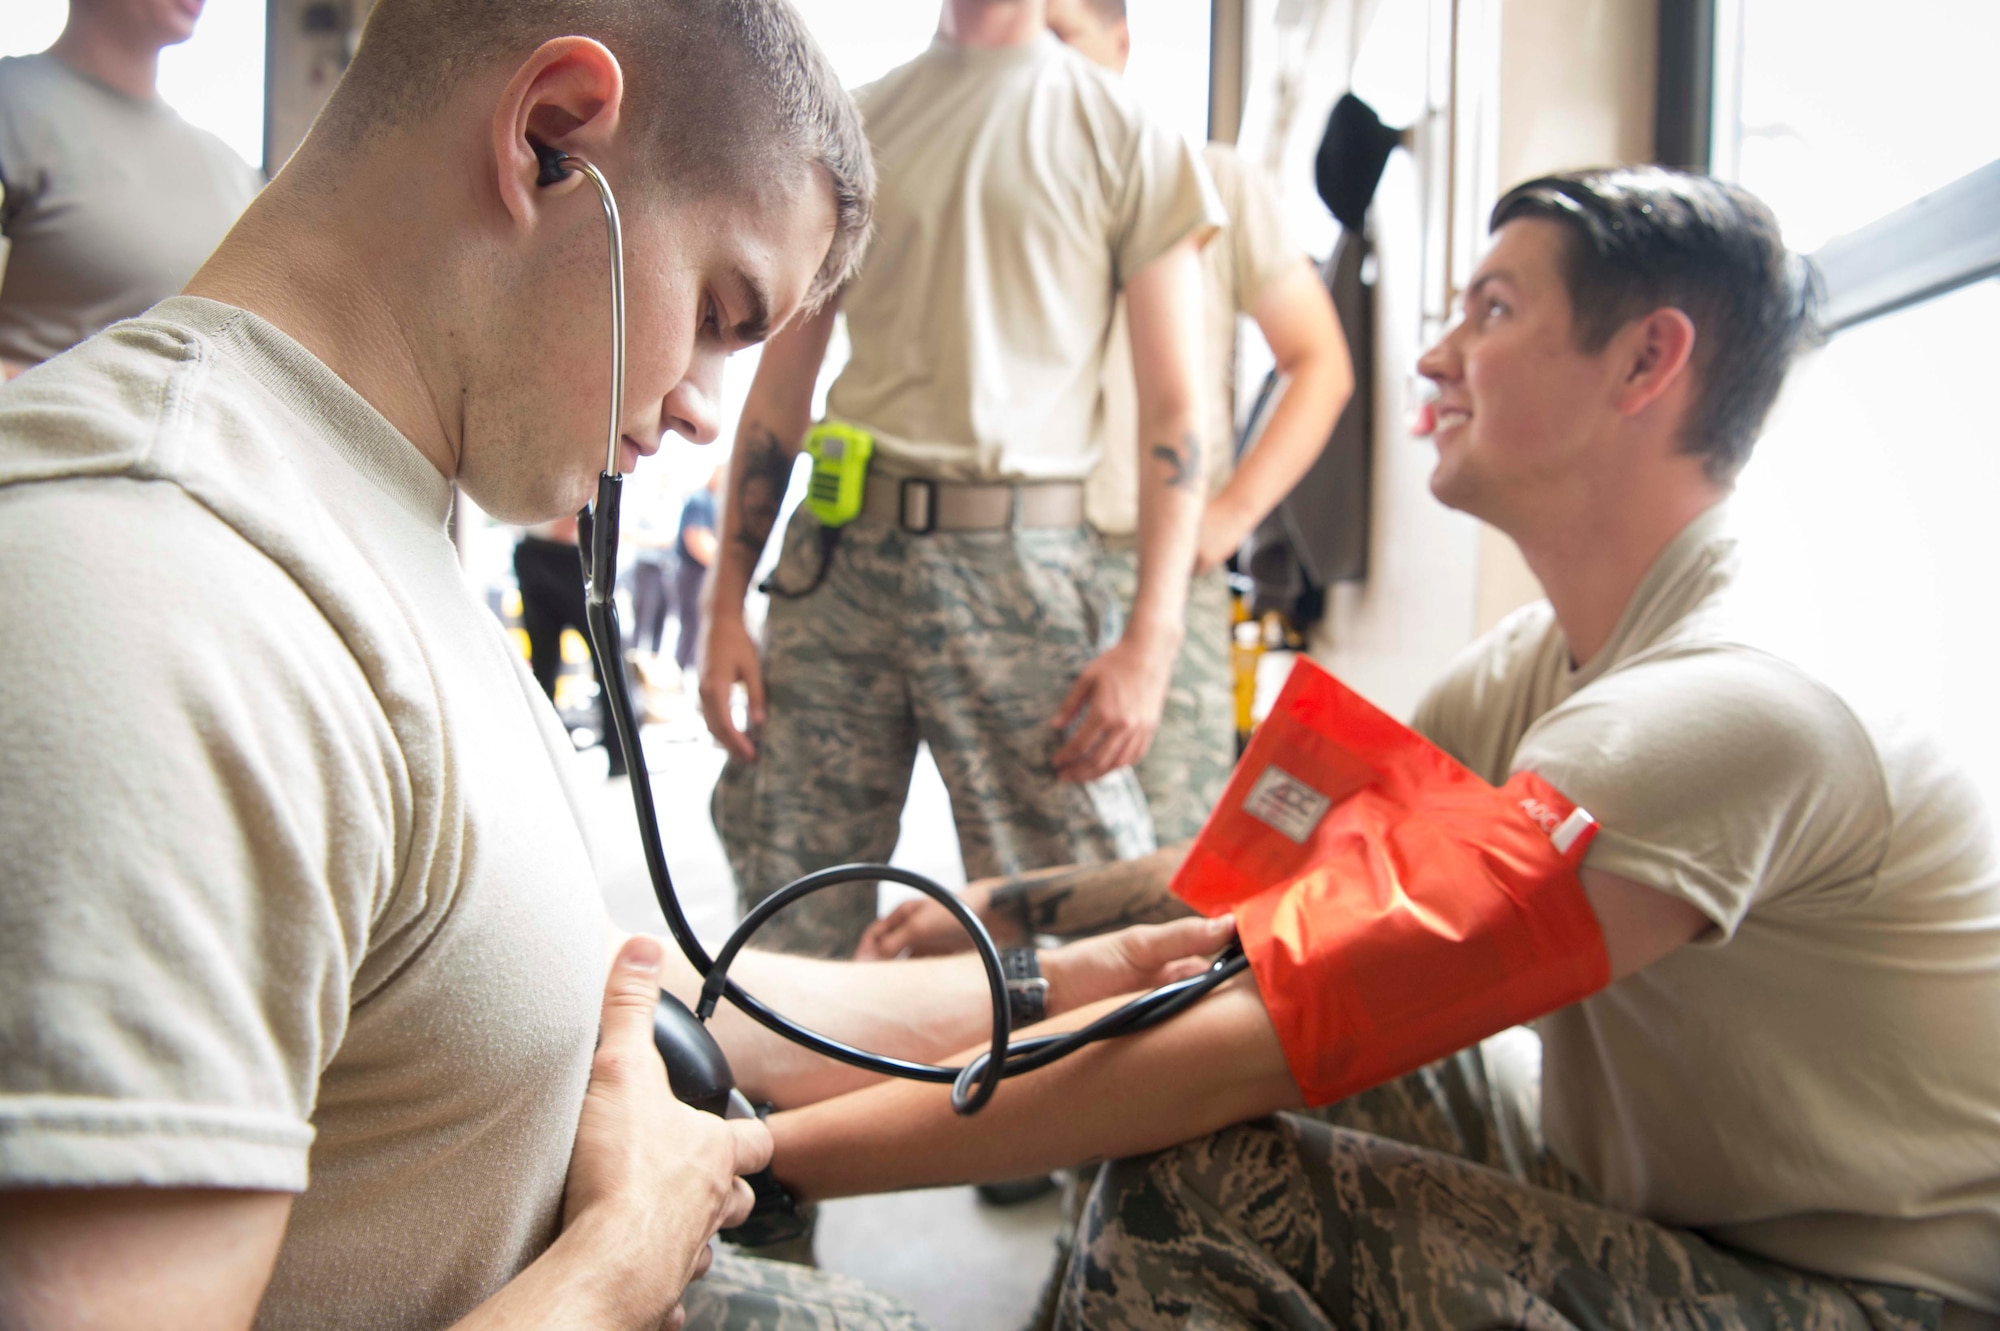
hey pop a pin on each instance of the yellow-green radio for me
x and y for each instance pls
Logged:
(840, 470)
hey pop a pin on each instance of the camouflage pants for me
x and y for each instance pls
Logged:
(1425, 1203)
(1192, 755)
(745, 1294)
(966, 641)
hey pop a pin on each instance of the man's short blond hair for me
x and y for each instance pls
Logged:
(719, 92)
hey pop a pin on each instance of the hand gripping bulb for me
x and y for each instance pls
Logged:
(700, 1076)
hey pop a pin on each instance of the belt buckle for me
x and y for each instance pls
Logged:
(924, 491)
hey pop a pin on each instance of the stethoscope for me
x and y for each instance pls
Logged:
(972, 1085)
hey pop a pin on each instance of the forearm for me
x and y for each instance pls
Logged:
(573, 1284)
(1215, 1064)
(702, 542)
(1075, 901)
(1309, 401)
(1316, 377)
(923, 1009)
(776, 415)
(1164, 316)
(1171, 486)
(760, 470)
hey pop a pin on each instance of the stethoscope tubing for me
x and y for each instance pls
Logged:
(975, 1083)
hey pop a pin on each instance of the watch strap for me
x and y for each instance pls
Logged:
(1027, 988)
(774, 1218)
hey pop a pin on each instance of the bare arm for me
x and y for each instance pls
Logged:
(132, 1257)
(702, 543)
(1120, 695)
(926, 1010)
(776, 416)
(1216, 1064)
(1640, 924)
(1072, 901)
(650, 1182)
(1297, 319)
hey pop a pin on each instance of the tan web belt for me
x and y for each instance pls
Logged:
(922, 506)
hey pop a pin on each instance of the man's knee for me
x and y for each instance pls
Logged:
(1226, 1230)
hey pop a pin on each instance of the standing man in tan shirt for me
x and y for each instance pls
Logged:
(1020, 192)
(1252, 268)
(111, 200)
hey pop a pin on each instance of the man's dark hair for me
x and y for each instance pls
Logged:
(721, 93)
(1646, 237)
(1107, 11)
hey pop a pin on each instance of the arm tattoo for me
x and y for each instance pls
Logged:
(767, 470)
(1074, 902)
(1183, 463)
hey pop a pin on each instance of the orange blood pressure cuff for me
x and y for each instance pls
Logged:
(1394, 907)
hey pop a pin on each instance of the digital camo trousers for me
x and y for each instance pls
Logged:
(1184, 772)
(1424, 1204)
(966, 641)
(745, 1294)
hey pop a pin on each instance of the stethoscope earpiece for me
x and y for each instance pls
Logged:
(555, 163)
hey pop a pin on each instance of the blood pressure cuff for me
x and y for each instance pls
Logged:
(1394, 907)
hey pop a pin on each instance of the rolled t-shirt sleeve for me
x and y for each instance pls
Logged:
(1726, 778)
(198, 830)
(1165, 197)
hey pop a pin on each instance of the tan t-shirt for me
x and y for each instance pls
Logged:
(112, 203)
(1237, 267)
(294, 894)
(1817, 1078)
(1019, 189)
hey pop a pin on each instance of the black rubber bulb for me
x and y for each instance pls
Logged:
(697, 1069)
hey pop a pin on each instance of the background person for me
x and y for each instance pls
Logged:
(650, 513)
(1780, 1112)
(111, 199)
(695, 548)
(1021, 190)
(549, 572)
(1253, 268)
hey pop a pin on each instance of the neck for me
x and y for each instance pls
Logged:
(105, 52)
(1591, 561)
(993, 22)
(298, 260)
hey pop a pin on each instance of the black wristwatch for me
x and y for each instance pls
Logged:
(1027, 990)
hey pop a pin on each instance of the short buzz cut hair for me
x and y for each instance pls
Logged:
(720, 93)
(1639, 238)
(1107, 11)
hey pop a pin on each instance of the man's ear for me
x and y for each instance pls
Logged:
(1654, 355)
(567, 95)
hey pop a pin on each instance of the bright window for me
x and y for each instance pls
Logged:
(1837, 116)
(1869, 504)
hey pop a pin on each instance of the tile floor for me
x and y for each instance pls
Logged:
(963, 1266)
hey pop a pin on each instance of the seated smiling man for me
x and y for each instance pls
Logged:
(304, 959)
(1783, 1109)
